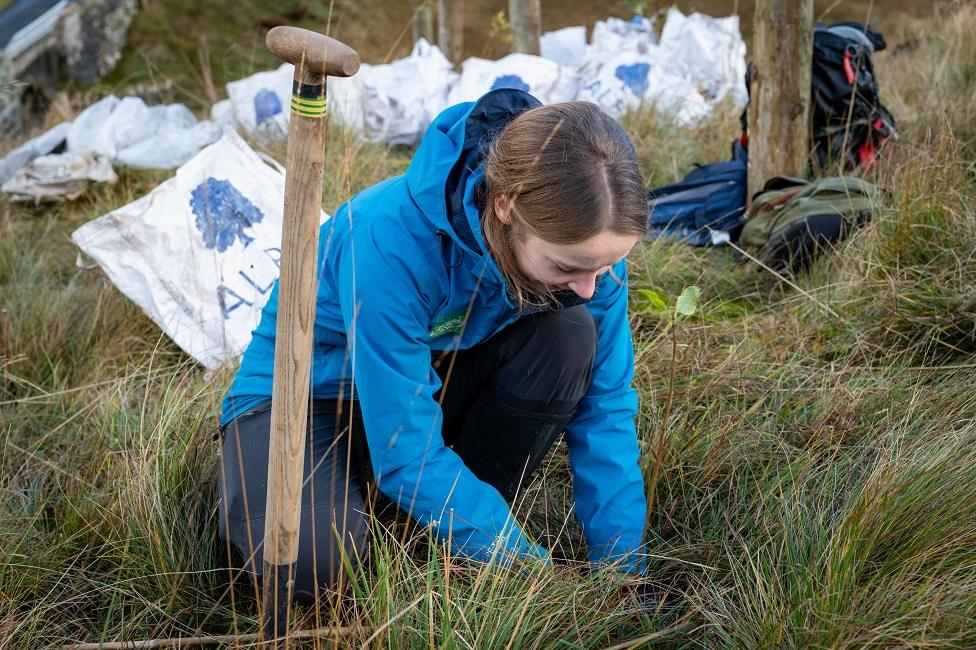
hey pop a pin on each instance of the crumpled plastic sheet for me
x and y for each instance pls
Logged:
(58, 177)
(132, 134)
(42, 145)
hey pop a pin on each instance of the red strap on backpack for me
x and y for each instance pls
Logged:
(849, 68)
(867, 155)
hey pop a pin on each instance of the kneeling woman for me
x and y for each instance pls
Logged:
(468, 313)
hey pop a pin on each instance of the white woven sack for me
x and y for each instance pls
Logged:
(199, 254)
(548, 81)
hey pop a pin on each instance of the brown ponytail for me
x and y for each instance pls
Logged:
(569, 172)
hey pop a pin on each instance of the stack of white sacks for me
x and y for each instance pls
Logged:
(200, 252)
(697, 63)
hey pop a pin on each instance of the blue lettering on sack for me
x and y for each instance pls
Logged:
(510, 81)
(225, 306)
(262, 290)
(230, 300)
(606, 98)
(222, 214)
(634, 77)
(266, 105)
(274, 254)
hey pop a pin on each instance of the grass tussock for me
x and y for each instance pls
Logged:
(815, 487)
(913, 275)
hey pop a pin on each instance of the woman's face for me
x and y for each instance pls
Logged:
(576, 267)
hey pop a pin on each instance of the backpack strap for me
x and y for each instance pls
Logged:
(783, 182)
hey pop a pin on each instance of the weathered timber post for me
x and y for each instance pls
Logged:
(450, 28)
(423, 22)
(779, 123)
(526, 18)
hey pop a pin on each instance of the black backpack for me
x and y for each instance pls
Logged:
(849, 121)
(849, 124)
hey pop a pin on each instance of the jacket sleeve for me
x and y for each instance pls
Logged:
(603, 451)
(387, 317)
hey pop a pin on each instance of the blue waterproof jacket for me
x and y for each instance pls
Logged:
(403, 271)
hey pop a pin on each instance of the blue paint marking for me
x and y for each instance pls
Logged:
(262, 290)
(222, 214)
(266, 105)
(634, 77)
(226, 307)
(230, 300)
(510, 81)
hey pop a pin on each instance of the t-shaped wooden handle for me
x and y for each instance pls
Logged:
(316, 57)
(316, 54)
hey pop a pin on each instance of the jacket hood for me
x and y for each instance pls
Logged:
(445, 176)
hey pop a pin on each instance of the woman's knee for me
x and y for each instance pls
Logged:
(571, 333)
(550, 357)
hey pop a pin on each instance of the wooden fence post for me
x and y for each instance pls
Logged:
(779, 124)
(450, 29)
(423, 22)
(526, 18)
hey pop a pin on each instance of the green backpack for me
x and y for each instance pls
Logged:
(792, 219)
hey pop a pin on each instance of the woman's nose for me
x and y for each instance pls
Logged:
(584, 288)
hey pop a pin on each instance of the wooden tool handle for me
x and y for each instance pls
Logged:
(315, 53)
(294, 335)
(315, 57)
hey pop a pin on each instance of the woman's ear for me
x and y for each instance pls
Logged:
(501, 209)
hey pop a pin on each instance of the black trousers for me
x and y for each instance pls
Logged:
(505, 403)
